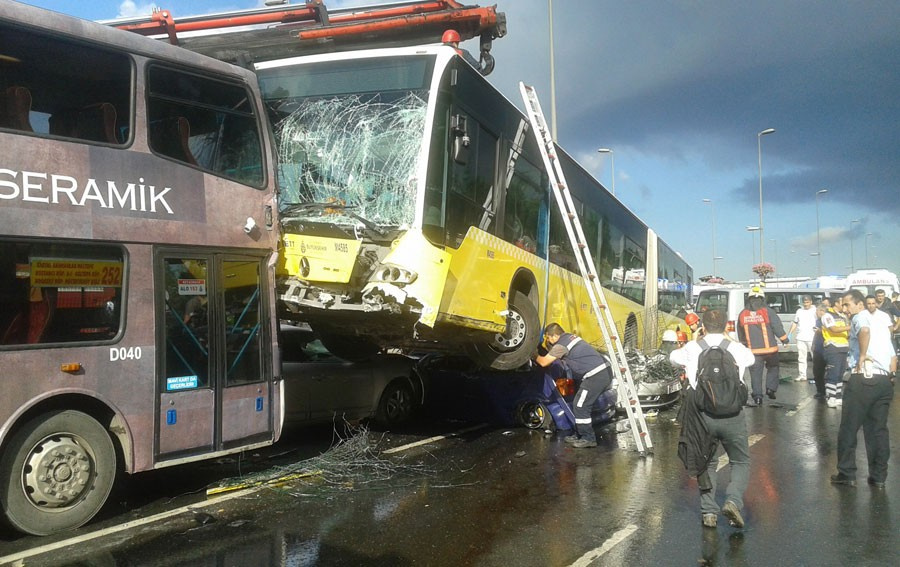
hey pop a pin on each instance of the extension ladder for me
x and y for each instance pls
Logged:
(626, 387)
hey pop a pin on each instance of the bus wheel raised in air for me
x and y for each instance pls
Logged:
(56, 472)
(514, 347)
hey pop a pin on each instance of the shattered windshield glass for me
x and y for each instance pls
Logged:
(349, 135)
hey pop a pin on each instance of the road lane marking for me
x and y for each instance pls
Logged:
(434, 439)
(598, 552)
(751, 441)
(800, 406)
(17, 558)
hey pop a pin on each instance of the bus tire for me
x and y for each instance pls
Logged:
(514, 347)
(80, 460)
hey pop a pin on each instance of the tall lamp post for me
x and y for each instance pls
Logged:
(713, 207)
(818, 240)
(612, 163)
(752, 230)
(552, 75)
(759, 136)
(868, 234)
(852, 222)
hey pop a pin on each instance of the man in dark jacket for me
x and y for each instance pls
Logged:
(586, 364)
(760, 329)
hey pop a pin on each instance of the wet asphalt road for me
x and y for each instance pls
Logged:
(510, 496)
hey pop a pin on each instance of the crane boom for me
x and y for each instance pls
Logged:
(284, 31)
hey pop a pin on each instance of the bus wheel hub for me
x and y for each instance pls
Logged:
(515, 332)
(56, 472)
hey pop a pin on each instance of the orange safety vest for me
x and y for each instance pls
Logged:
(758, 334)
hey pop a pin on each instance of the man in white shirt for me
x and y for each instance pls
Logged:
(867, 398)
(805, 325)
(731, 432)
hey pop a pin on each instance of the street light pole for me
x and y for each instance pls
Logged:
(868, 234)
(612, 163)
(759, 136)
(852, 269)
(552, 75)
(713, 208)
(752, 230)
(818, 240)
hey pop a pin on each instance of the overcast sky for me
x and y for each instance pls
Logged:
(679, 91)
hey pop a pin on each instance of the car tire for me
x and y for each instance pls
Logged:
(513, 348)
(397, 403)
(79, 451)
(534, 415)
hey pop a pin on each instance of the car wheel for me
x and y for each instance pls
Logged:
(514, 347)
(397, 403)
(534, 415)
(56, 472)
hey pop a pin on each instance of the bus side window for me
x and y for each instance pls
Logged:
(15, 106)
(171, 137)
(95, 122)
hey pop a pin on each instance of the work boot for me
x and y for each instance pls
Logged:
(571, 438)
(710, 520)
(584, 443)
(731, 512)
(771, 394)
(841, 478)
(757, 401)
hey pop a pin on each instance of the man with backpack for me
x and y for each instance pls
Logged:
(715, 367)
(759, 329)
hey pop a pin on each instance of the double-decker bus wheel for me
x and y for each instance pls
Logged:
(56, 472)
(513, 348)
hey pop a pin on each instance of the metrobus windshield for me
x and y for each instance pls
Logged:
(349, 137)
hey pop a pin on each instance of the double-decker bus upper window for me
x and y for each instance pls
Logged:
(46, 87)
(57, 292)
(204, 122)
(349, 134)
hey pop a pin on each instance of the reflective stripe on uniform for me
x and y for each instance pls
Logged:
(600, 368)
(580, 401)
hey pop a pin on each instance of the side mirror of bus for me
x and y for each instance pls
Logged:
(461, 140)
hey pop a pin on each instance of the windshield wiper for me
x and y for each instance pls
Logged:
(303, 207)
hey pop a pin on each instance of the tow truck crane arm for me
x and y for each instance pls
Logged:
(283, 31)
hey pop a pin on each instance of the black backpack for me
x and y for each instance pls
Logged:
(721, 392)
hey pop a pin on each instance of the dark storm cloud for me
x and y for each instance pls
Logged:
(702, 78)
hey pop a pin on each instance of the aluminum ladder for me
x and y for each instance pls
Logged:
(625, 384)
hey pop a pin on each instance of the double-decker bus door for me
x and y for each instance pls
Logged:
(215, 386)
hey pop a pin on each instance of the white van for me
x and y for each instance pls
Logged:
(784, 301)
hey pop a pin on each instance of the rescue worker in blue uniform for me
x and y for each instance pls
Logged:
(586, 364)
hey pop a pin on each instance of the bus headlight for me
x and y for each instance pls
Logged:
(389, 273)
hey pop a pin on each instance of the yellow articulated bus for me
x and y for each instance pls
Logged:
(415, 209)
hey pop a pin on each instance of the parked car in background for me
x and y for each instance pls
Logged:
(321, 387)
(784, 301)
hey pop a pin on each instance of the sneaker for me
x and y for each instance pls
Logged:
(758, 401)
(831, 402)
(709, 520)
(799, 379)
(583, 443)
(839, 402)
(841, 478)
(571, 438)
(731, 512)
(771, 394)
